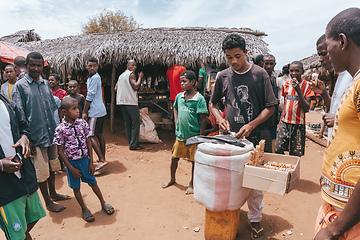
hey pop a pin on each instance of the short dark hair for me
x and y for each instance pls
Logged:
(67, 102)
(268, 55)
(189, 75)
(92, 59)
(321, 40)
(73, 81)
(258, 58)
(346, 22)
(33, 55)
(10, 65)
(56, 76)
(233, 41)
(19, 61)
(285, 69)
(300, 64)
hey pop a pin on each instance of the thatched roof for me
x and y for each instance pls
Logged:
(190, 47)
(311, 62)
(21, 36)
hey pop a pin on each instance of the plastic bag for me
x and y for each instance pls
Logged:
(147, 128)
(218, 174)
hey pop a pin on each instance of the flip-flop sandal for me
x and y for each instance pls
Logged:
(101, 166)
(107, 209)
(257, 234)
(87, 216)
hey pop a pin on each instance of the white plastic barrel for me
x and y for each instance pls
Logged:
(218, 175)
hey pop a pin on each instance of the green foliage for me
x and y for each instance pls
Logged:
(109, 21)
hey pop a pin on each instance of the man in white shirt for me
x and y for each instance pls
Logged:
(126, 96)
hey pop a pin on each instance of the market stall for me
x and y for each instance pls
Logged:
(159, 102)
(154, 48)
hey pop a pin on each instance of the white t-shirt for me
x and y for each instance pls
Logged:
(342, 84)
(6, 138)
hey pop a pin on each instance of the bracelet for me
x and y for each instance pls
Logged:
(1, 166)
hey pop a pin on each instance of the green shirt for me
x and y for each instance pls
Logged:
(202, 72)
(188, 119)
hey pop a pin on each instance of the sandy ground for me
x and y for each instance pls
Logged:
(132, 184)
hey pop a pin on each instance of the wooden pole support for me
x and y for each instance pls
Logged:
(112, 104)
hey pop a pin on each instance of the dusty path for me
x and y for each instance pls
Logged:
(132, 184)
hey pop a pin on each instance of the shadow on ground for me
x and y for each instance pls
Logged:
(273, 226)
(307, 186)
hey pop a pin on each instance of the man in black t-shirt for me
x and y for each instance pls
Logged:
(255, 103)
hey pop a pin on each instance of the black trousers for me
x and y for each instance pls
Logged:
(131, 115)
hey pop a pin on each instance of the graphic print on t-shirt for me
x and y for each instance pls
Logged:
(187, 109)
(243, 93)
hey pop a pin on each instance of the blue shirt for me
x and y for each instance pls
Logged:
(37, 103)
(94, 95)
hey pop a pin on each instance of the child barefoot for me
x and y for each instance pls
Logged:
(72, 138)
(190, 119)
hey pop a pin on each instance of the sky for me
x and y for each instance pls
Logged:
(292, 26)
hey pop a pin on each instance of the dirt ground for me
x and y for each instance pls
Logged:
(132, 184)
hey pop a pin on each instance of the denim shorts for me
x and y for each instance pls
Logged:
(83, 166)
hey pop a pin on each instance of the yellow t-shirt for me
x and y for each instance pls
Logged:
(10, 86)
(341, 166)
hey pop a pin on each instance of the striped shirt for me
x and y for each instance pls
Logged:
(293, 113)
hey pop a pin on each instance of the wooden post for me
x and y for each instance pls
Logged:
(112, 106)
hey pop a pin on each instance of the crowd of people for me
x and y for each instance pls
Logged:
(33, 139)
(44, 128)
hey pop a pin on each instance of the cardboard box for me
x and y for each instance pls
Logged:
(273, 181)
